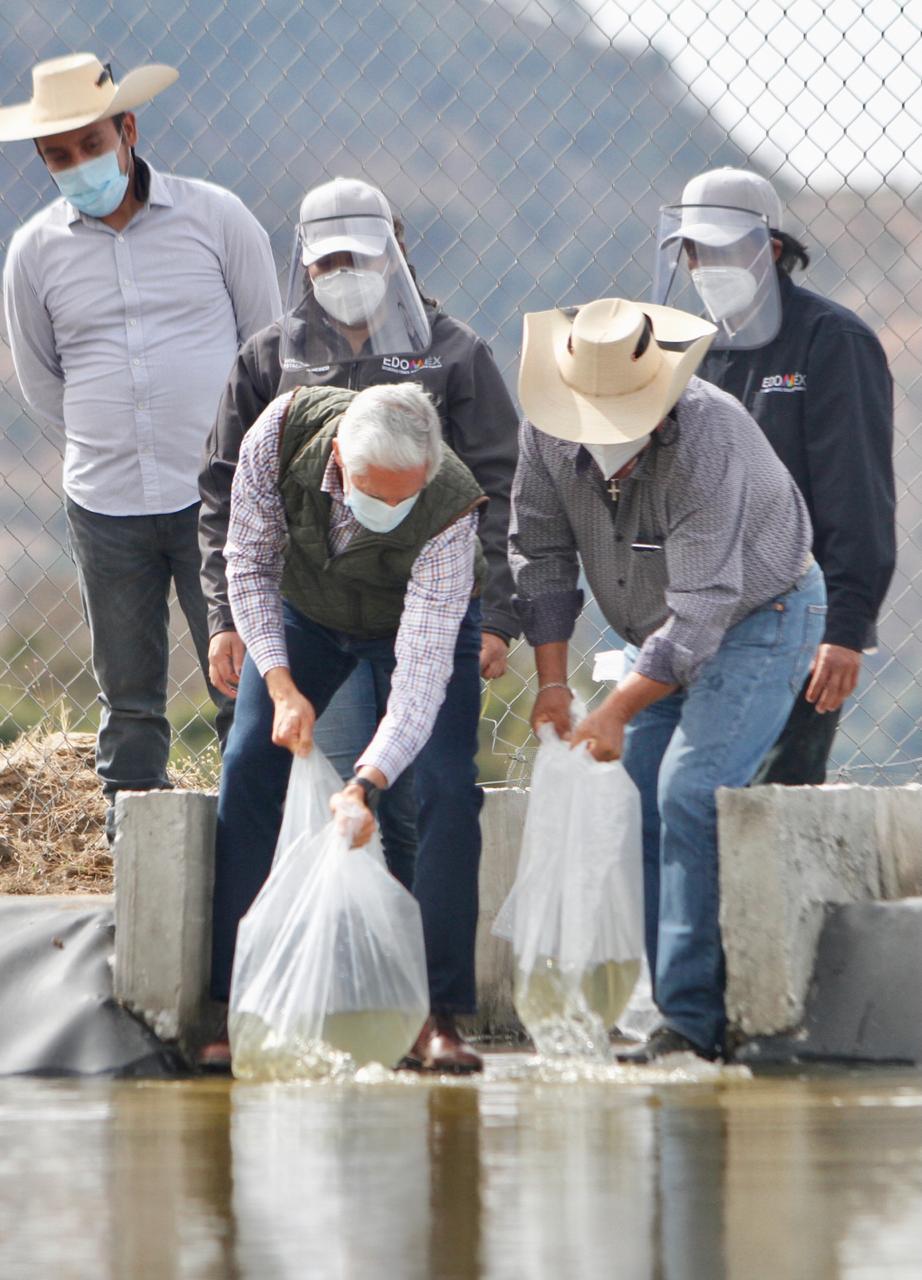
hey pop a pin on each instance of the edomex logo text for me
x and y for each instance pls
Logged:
(400, 364)
(784, 382)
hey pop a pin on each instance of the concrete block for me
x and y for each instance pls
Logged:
(164, 876)
(899, 839)
(502, 821)
(865, 1000)
(785, 852)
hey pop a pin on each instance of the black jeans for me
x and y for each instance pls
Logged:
(125, 565)
(799, 757)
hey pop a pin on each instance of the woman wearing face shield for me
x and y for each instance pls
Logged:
(355, 318)
(815, 378)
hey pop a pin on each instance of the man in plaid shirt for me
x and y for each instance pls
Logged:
(353, 535)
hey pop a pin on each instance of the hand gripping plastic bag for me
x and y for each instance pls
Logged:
(330, 966)
(311, 787)
(575, 913)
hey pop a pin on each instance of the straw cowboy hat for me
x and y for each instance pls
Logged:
(609, 371)
(75, 90)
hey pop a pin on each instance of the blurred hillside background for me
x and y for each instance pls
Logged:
(529, 145)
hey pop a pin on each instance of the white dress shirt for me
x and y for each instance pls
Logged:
(125, 338)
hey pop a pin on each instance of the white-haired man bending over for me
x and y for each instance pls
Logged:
(353, 534)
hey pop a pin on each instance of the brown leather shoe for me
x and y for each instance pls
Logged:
(441, 1049)
(215, 1058)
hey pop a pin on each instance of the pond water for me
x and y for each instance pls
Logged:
(531, 1173)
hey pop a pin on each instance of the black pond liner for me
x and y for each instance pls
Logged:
(58, 1016)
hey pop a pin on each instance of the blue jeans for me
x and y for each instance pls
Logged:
(125, 565)
(343, 732)
(255, 777)
(679, 751)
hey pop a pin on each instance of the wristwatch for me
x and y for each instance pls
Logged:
(372, 793)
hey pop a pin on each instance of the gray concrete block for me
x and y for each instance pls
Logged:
(502, 822)
(899, 839)
(865, 1000)
(164, 877)
(785, 852)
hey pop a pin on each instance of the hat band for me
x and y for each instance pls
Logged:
(344, 217)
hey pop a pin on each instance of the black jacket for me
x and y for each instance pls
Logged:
(822, 393)
(479, 422)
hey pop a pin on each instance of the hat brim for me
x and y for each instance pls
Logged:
(365, 246)
(730, 228)
(560, 410)
(18, 123)
(707, 233)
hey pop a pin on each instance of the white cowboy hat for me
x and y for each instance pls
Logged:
(609, 371)
(70, 92)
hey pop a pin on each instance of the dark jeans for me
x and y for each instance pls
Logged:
(343, 732)
(125, 565)
(255, 777)
(801, 754)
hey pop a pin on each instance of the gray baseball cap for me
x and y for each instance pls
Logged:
(346, 215)
(718, 206)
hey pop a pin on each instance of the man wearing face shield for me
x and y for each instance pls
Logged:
(354, 318)
(815, 378)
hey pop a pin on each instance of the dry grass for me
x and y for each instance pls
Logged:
(52, 814)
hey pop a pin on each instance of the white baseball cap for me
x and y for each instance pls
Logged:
(346, 215)
(738, 194)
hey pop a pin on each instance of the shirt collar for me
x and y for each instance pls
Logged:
(158, 188)
(332, 482)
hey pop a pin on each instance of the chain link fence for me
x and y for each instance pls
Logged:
(528, 145)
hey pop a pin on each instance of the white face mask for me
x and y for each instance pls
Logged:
(350, 295)
(378, 516)
(725, 291)
(612, 457)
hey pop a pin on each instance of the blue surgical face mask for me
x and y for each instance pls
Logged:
(376, 515)
(96, 187)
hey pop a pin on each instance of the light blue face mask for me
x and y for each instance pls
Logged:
(376, 515)
(96, 187)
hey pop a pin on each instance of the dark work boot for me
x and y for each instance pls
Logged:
(661, 1044)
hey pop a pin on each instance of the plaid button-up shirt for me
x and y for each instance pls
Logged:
(438, 593)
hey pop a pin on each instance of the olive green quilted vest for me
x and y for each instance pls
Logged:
(360, 591)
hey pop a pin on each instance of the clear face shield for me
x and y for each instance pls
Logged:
(720, 262)
(350, 296)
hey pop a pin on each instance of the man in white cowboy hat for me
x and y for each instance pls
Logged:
(126, 300)
(696, 544)
(815, 378)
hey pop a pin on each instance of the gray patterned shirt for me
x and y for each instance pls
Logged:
(708, 527)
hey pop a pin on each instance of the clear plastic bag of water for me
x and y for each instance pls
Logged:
(575, 913)
(330, 966)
